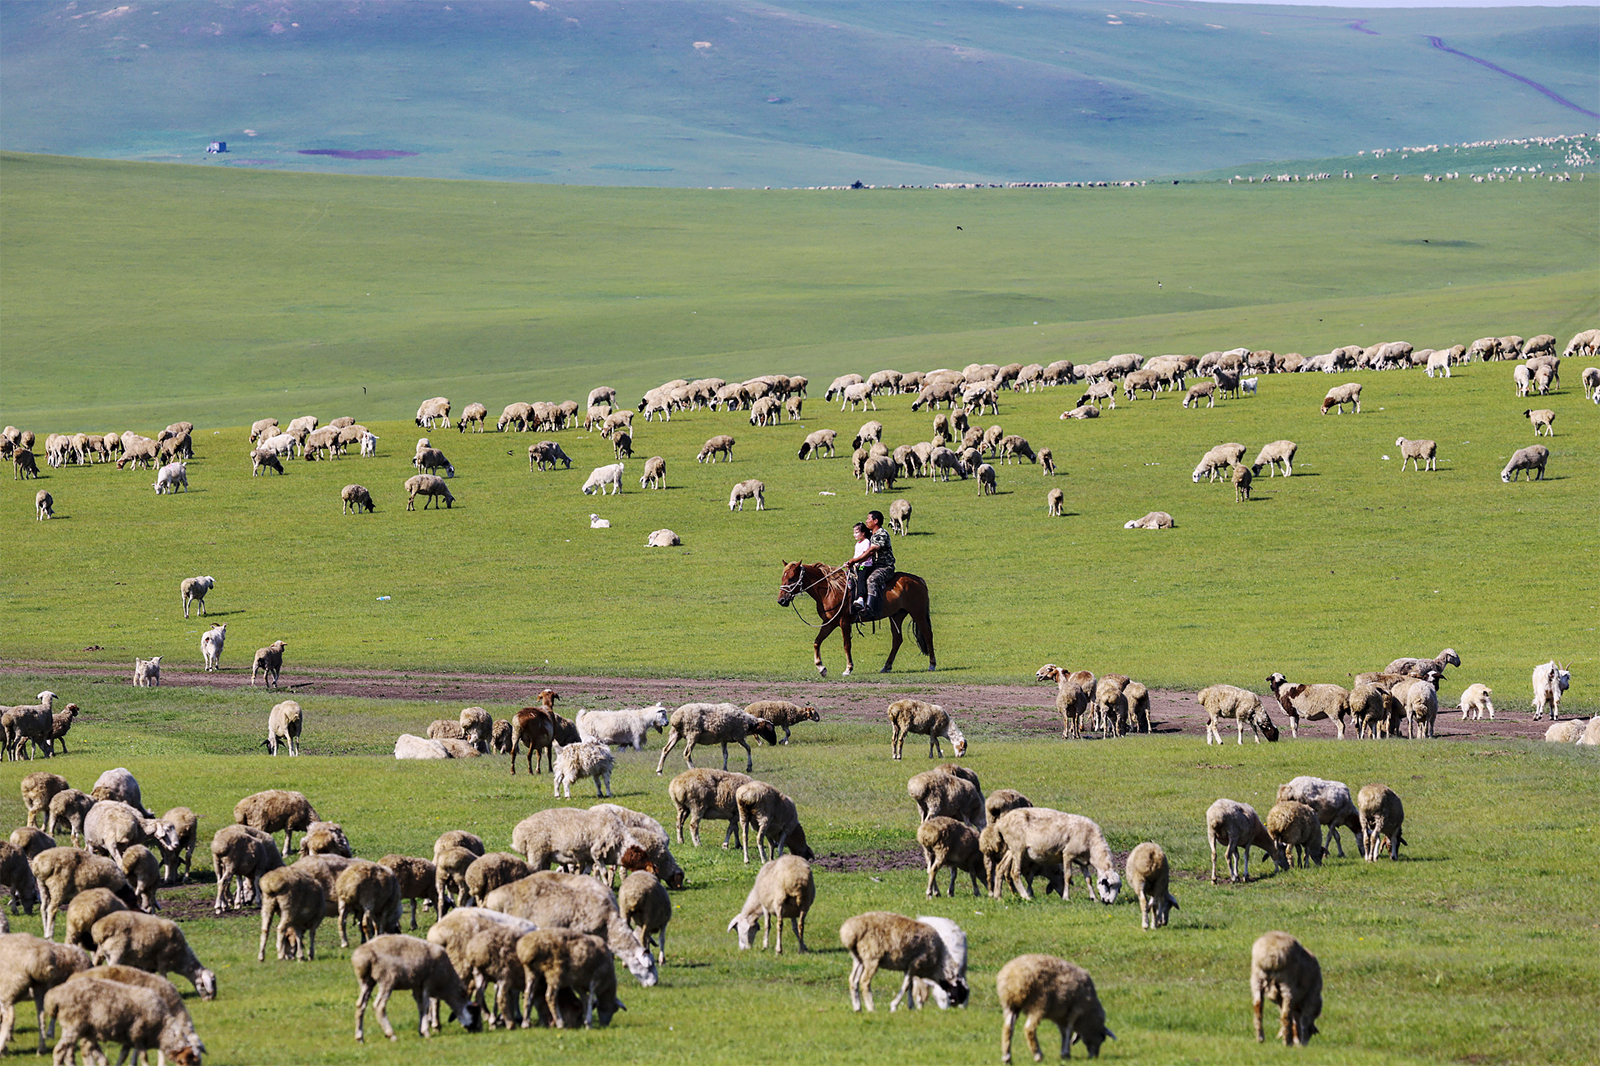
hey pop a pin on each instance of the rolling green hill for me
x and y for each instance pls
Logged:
(749, 93)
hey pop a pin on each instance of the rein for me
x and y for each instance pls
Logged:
(806, 588)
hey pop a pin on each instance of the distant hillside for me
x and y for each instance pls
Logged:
(746, 93)
(1568, 155)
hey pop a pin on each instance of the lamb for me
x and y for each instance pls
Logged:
(187, 825)
(1550, 680)
(325, 838)
(295, 898)
(646, 907)
(153, 944)
(69, 808)
(37, 791)
(909, 716)
(111, 826)
(1294, 830)
(563, 959)
(1041, 837)
(169, 477)
(245, 853)
(1214, 460)
(1271, 455)
(1286, 973)
(1417, 452)
(1047, 462)
(714, 723)
(44, 506)
(143, 871)
(950, 843)
(147, 672)
(86, 908)
(354, 499)
(782, 714)
(941, 792)
(31, 967)
(274, 810)
(1201, 390)
(16, 877)
(574, 762)
(705, 793)
(775, 820)
(882, 939)
(816, 442)
(431, 486)
(1340, 395)
(1543, 418)
(1044, 987)
(783, 888)
(211, 644)
(1475, 699)
(396, 961)
(284, 723)
(1381, 818)
(575, 901)
(572, 839)
(1152, 520)
(1427, 669)
(1238, 827)
(753, 489)
(1242, 705)
(1331, 802)
(489, 872)
(1532, 458)
(545, 454)
(720, 444)
(1314, 703)
(1148, 876)
(269, 661)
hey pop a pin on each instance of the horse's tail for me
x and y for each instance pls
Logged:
(924, 634)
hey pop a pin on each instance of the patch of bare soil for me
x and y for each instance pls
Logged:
(1023, 708)
(873, 860)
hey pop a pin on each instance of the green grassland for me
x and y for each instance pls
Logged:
(121, 317)
(1468, 949)
(746, 93)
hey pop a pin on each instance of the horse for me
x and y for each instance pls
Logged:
(907, 595)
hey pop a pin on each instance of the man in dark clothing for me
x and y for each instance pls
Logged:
(880, 557)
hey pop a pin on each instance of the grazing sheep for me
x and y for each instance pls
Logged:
(1476, 700)
(570, 838)
(1044, 987)
(721, 444)
(775, 820)
(647, 908)
(1241, 483)
(325, 838)
(87, 908)
(30, 967)
(118, 1004)
(169, 477)
(24, 466)
(1340, 395)
(882, 939)
(147, 672)
(649, 848)
(431, 486)
(143, 871)
(949, 843)
(1216, 459)
(69, 808)
(31, 841)
(1543, 418)
(264, 458)
(655, 473)
(1420, 701)
(1314, 703)
(269, 661)
(1382, 816)
(782, 714)
(111, 826)
(1242, 705)
(914, 716)
(564, 959)
(574, 762)
(44, 506)
(371, 892)
(1332, 804)
(815, 443)
(949, 792)
(120, 785)
(752, 489)
(155, 945)
(1591, 381)
(602, 476)
(431, 411)
(1201, 390)
(284, 723)
(1271, 455)
(397, 961)
(417, 880)
(1417, 453)
(491, 871)
(296, 899)
(276, 810)
(37, 791)
(714, 723)
(187, 825)
(1237, 826)
(1148, 876)
(1040, 837)
(986, 480)
(575, 901)
(243, 853)
(1054, 499)
(1550, 680)
(706, 793)
(354, 499)
(1591, 733)
(1286, 973)
(783, 888)
(1531, 459)
(482, 946)
(1294, 825)
(16, 877)
(211, 644)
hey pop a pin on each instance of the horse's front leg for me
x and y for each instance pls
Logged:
(849, 661)
(894, 646)
(816, 647)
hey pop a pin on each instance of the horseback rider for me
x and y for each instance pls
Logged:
(876, 561)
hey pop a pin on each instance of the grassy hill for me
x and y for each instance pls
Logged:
(784, 94)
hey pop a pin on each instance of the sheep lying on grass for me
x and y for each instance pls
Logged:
(276, 810)
(1284, 972)
(882, 939)
(783, 888)
(1152, 520)
(1043, 987)
(909, 716)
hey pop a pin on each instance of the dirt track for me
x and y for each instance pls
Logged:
(1022, 708)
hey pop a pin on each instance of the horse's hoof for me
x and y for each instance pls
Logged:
(930, 668)
(846, 672)
(885, 670)
(822, 671)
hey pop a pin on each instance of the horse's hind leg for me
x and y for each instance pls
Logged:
(895, 622)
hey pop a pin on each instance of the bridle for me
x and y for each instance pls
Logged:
(793, 588)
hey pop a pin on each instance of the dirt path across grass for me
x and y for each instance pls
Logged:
(1021, 708)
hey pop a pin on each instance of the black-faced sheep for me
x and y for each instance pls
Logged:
(1043, 987)
(1314, 703)
(354, 499)
(431, 486)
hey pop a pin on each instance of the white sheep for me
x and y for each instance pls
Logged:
(1286, 973)
(1271, 455)
(1237, 826)
(783, 888)
(1475, 699)
(410, 746)
(1216, 459)
(601, 477)
(1149, 876)
(431, 411)
(574, 762)
(1531, 459)
(909, 716)
(169, 477)
(882, 939)
(147, 672)
(624, 728)
(1550, 680)
(1044, 987)
(1242, 705)
(211, 642)
(1153, 520)
(1417, 453)
(753, 489)
(1039, 838)
(284, 723)
(655, 473)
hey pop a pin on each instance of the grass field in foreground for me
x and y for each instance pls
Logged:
(1468, 949)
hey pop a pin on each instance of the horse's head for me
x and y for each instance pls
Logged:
(793, 574)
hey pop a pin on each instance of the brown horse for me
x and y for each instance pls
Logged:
(908, 595)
